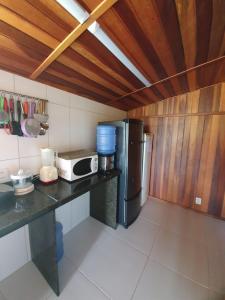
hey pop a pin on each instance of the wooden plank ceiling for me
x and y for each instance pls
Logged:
(179, 38)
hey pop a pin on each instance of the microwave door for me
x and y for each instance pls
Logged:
(82, 167)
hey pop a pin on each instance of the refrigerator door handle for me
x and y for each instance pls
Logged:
(137, 143)
(133, 197)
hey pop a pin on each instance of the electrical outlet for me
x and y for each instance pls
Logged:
(198, 200)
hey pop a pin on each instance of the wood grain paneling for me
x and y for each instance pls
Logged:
(204, 75)
(36, 32)
(73, 35)
(189, 148)
(161, 38)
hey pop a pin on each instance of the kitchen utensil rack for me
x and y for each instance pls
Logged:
(18, 95)
(23, 100)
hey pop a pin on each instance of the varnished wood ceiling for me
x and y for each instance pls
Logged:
(177, 45)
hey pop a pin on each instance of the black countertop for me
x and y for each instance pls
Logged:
(63, 191)
(17, 211)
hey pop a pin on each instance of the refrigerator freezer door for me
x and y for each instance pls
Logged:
(132, 209)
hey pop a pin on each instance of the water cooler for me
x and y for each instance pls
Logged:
(106, 147)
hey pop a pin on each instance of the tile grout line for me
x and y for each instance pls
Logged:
(77, 269)
(180, 274)
(126, 242)
(17, 138)
(46, 94)
(95, 284)
(145, 266)
(88, 279)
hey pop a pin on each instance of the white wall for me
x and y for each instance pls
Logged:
(72, 121)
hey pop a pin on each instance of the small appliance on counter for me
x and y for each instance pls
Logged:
(48, 172)
(74, 165)
(106, 147)
(22, 182)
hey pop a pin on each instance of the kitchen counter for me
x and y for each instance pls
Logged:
(63, 191)
(37, 209)
(17, 211)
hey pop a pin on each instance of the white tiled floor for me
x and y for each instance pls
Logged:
(168, 253)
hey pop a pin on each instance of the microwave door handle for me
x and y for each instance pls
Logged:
(92, 165)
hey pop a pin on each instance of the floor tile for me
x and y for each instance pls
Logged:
(78, 243)
(79, 288)
(66, 270)
(155, 211)
(114, 266)
(215, 296)
(140, 235)
(183, 255)
(187, 223)
(2, 297)
(25, 284)
(215, 234)
(101, 263)
(160, 283)
(217, 272)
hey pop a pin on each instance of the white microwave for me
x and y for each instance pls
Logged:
(77, 164)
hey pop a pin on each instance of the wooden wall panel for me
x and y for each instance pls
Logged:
(188, 156)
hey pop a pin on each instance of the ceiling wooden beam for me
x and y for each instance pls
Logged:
(167, 78)
(95, 14)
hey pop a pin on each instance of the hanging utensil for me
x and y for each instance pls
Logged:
(25, 109)
(39, 114)
(42, 131)
(13, 123)
(6, 110)
(43, 118)
(4, 116)
(30, 126)
(19, 111)
(45, 124)
(7, 120)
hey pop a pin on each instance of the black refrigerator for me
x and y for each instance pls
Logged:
(128, 159)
